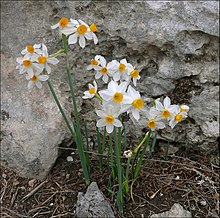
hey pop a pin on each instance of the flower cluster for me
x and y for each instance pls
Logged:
(120, 97)
(77, 30)
(118, 71)
(33, 62)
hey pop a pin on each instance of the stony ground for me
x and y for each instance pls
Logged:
(188, 178)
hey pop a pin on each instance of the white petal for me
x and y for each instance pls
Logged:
(89, 35)
(68, 30)
(48, 68)
(95, 39)
(113, 86)
(101, 123)
(123, 61)
(30, 72)
(122, 87)
(109, 128)
(101, 113)
(102, 61)
(82, 41)
(117, 76)
(127, 99)
(98, 75)
(105, 78)
(38, 84)
(159, 105)
(166, 102)
(72, 39)
(55, 26)
(105, 95)
(160, 125)
(43, 77)
(136, 114)
(117, 123)
(30, 84)
(53, 61)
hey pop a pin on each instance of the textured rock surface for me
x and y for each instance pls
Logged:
(174, 44)
(176, 211)
(93, 203)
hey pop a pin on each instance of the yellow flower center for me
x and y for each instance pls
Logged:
(151, 124)
(104, 70)
(82, 29)
(42, 59)
(93, 27)
(92, 91)
(138, 103)
(94, 62)
(27, 63)
(63, 22)
(118, 97)
(121, 67)
(34, 78)
(178, 117)
(30, 49)
(165, 113)
(135, 73)
(109, 119)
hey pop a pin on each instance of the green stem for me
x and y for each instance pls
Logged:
(57, 53)
(127, 176)
(141, 143)
(99, 97)
(60, 108)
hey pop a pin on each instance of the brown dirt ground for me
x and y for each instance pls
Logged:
(57, 195)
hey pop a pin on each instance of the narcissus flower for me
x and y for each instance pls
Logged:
(116, 94)
(134, 75)
(122, 71)
(178, 116)
(91, 92)
(27, 65)
(94, 63)
(166, 108)
(44, 60)
(81, 31)
(136, 104)
(65, 26)
(32, 51)
(109, 118)
(106, 70)
(93, 29)
(128, 154)
(154, 119)
(36, 80)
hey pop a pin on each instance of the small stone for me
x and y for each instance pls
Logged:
(16, 182)
(203, 203)
(4, 175)
(69, 159)
(177, 178)
(32, 182)
(67, 176)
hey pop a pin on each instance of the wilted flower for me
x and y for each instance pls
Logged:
(91, 92)
(36, 80)
(128, 154)
(109, 118)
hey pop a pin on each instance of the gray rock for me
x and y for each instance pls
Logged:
(173, 44)
(175, 212)
(93, 203)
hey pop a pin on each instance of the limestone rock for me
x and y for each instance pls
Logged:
(176, 211)
(93, 203)
(173, 44)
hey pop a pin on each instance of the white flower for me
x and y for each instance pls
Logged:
(65, 26)
(26, 65)
(80, 31)
(32, 51)
(166, 109)
(128, 154)
(94, 64)
(106, 70)
(136, 104)
(177, 117)
(116, 94)
(43, 59)
(109, 119)
(134, 75)
(93, 29)
(122, 71)
(36, 80)
(154, 119)
(184, 108)
(92, 91)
